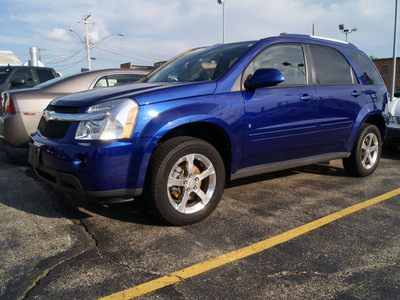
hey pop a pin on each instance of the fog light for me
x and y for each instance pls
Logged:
(79, 161)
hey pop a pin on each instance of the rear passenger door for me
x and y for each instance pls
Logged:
(280, 120)
(340, 98)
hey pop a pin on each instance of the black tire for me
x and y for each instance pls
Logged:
(186, 180)
(366, 152)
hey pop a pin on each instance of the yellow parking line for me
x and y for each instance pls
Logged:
(213, 263)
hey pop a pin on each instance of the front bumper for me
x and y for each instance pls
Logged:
(103, 172)
(70, 183)
(392, 136)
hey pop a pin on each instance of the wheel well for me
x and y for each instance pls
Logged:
(211, 133)
(379, 122)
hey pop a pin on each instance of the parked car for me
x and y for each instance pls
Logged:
(214, 114)
(22, 109)
(392, 141)
(21, 77)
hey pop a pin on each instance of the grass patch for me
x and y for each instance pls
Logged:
(39, 278)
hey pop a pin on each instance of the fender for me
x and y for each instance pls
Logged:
(158, 119)
(363, 115)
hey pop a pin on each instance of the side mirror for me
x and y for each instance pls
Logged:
(263, 78)
(17, 81)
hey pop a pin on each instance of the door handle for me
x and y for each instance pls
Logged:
(306, 98)
(356, 93)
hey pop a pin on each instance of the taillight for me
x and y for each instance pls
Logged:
(9, 107)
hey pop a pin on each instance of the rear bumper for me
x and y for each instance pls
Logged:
(15, 129)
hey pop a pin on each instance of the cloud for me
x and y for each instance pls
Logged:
(59, 34)
(160, 29)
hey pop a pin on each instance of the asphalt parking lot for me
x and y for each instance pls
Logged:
(287, 235)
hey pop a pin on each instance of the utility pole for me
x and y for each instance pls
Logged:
(85, 18)
(87, 43)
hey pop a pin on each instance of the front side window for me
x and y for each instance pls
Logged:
(288, 59)
(330, 66)
(24, 74)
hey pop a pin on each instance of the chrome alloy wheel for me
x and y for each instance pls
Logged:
(191, 183)
(369, 150)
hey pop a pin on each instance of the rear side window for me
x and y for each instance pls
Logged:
(117, 79)
(330, 66)
(44, 74)
(368, 68)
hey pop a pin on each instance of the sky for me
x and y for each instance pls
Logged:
(160, 29)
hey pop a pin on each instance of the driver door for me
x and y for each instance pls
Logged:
(280, 120)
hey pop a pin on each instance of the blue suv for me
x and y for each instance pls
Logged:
(215, 114)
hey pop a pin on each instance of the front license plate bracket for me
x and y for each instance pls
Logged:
(34, 155)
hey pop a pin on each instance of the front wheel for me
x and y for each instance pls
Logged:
(366, 152)
(186, 180)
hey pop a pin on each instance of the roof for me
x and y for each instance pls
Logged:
(8, 58)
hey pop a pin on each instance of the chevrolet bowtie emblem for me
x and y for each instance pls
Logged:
(46, 115)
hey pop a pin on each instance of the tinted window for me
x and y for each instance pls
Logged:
(24, 74)
(117, 79)
(4, 72)
(200, 64)
(44, 74)
(330, 66)
(368, 68)
(288, 59)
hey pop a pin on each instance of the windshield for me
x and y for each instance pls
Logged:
(201, 64)
(4, 73)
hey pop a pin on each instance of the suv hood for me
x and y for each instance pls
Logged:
(143, 93)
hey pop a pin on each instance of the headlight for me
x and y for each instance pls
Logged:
(119, 121)
(390, 118)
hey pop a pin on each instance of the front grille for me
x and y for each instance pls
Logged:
(63, 109)
(53, 129)
(56, 129)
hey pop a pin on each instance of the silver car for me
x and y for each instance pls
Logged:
(21, 110)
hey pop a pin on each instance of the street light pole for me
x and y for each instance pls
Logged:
(223, 19)
(346, 31)
(394, 54)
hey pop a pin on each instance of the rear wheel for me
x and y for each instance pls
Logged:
(366, 152)
(187, 178)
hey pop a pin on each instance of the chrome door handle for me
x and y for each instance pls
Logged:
(306, 98)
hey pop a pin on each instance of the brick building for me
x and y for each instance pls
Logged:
(384, 66)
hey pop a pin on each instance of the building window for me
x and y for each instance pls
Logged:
(384, 70)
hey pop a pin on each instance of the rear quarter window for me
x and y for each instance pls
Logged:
(331, 67)
(368, 69)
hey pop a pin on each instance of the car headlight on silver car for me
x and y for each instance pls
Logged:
(390, 118)
(119, 121)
